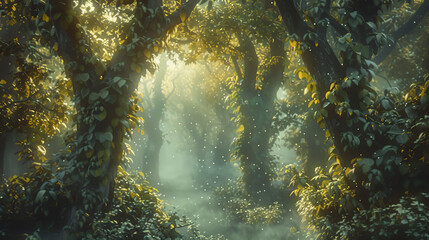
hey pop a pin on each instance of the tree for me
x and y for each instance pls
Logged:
(380, 157)
(249, 38)
(154, 105)
(358, 43)
(35, 100)
(102, 91)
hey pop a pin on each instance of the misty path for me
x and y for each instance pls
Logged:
(183, 195)
(198, 203)
(201, 208)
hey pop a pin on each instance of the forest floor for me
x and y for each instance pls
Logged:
(201, 208)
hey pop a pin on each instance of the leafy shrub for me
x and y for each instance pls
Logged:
(408, 219)
(381, 195)
(239, 208)
(34, 204)
(136, 213)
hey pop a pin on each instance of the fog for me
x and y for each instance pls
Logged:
(185, 196)
(181, 185)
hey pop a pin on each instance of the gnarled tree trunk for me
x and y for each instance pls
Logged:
(257, 114)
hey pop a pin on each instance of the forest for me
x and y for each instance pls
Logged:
(214, 119)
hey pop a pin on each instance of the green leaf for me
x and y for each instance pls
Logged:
(395, 130)
(402, 138)
(108, 136)
(116, 79)
(104, 136)
(93, 96)
(366, 164)
(84, 92)
(369, 142)
(121, 83)
(104, 93)
(53, 195)
(372, 25)
(386, 105)
(82, 77)
(101, 116)
(40, 195)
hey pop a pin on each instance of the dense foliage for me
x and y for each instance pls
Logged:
(39, 198)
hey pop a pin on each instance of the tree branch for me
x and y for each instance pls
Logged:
(175, 18)
(237, 67)
(418, 16)
(250, 65)
(291, 17)
(274, 77)
(122, 55)
(73, 46)
(338, 27)
(172, 90)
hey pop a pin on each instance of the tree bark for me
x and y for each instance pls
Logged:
(325, 68)
(254, 144)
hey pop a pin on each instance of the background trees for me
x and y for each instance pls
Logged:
(154, 104)
(249, 38)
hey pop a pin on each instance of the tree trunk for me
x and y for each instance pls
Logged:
(153, 114)
(255, 151)
(103, 107)
(255, 143)
(224, 137)
(2, 153)
(151, 155)
(325, 68)
(194, 122)
(316, 148)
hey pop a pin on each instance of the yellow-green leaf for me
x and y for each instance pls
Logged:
(45, 17)
(89, 154)
(240, 129)
(146, 53)
(101, 116)
(183, 16)
(41, 149)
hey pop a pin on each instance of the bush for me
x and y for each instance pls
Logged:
(33, 204)
(239, 208)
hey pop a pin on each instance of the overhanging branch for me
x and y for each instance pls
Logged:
(414, 21)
